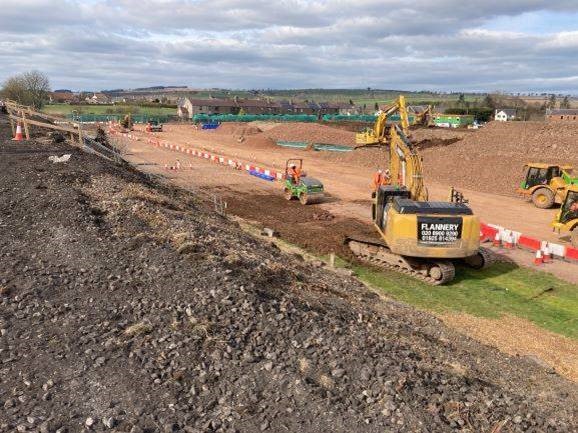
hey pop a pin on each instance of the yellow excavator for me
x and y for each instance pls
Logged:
(419, 238)
(567, 218)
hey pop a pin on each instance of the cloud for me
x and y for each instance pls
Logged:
(445, 45)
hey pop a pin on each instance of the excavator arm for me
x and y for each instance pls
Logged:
(405, 164)
(378, 135)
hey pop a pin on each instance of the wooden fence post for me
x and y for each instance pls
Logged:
(26, 131)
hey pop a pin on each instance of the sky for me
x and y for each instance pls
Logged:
(444, 45)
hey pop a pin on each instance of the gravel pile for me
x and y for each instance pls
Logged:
(129, 306)
(311, 132)
(492, 158)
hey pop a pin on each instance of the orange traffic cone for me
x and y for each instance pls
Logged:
(539, 259)
(497, 240)
(18, 136)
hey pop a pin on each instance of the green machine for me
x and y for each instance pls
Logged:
(299, 186)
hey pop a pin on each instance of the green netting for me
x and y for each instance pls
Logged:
(362, 118)
(292, 144)
(316, 146)
(254, 117)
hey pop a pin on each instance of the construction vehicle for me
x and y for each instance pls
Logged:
(546, 184)
(378, 134)
(307, 189)
(421, 117)
(567, 218)
(419, 238)
(154, 126)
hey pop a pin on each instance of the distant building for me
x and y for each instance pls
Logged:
(98, 98)
(189, 107)
(453, 120)
(505, 114)
(562, 114)
(258, 106)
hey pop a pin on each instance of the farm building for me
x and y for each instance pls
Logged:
(505, 114)
(562, 114)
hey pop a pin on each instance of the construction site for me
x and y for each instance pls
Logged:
(261, 276)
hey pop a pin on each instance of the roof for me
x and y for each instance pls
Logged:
(211, 102)
(256, 103)
(510, 112)
(543, 165)
(563, 112)
(408, 206)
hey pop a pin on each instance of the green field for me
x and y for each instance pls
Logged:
(503, 289)
(359, 96)
(66, 109)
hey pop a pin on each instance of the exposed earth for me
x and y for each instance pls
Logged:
(129, 305)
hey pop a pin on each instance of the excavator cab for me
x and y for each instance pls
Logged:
(567, 218)
(546, 183)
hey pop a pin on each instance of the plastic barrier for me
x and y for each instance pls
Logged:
(261, 175)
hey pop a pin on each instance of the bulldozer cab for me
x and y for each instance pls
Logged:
(569, 209)
(540, 174)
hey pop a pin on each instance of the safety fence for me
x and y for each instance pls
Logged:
(509, 239)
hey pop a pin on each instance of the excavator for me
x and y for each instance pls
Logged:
(417, 237)
(567, 218)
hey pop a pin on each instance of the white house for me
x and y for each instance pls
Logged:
(505, 114)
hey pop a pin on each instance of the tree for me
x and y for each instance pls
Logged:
(565, 103)
(462, 100)
(29, 88)
(552, 101)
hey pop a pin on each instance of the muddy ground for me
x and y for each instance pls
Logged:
(128, 305)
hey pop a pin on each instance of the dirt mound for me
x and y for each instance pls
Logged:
(133, 307)
(491, 158)
(311, 132)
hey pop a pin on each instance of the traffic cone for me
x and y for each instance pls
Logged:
(178, 165)
(18, 136)
(497, 241)
(539, 259)
(547, 254)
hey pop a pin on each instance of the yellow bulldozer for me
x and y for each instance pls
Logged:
(546, 184)
(417, 237)
(567, 218)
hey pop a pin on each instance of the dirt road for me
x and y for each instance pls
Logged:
(347, 184)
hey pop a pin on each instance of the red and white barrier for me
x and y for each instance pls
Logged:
(238, 165)
(502, 237)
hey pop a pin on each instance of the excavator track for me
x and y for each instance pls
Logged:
(377, 253)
